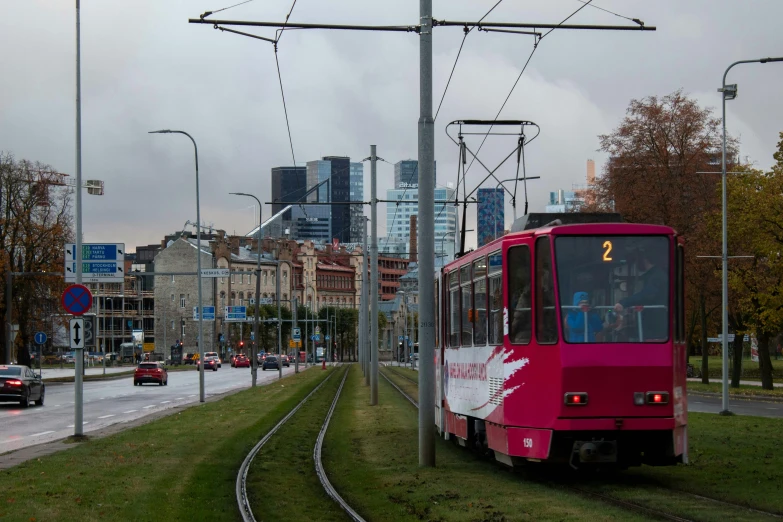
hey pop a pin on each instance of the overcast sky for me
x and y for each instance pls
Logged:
(144, 68)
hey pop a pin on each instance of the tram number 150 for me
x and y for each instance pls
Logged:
(528, 443)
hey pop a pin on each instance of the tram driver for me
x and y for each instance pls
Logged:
(653, 292)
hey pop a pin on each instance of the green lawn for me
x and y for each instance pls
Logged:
(371, 457)
(742, 391)
(181, 467)
(750, 369)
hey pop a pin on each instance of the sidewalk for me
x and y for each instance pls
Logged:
(745, 383)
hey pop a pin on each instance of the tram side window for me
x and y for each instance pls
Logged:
(520, 304)
(546, 313)
(437, 312)
(454, 310)
(679, 296)
(495, 298)
(467, 306)
(480, 302)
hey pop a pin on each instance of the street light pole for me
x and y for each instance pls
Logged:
(729, 92)
(198, 263)
(254, 349)
(373, 280)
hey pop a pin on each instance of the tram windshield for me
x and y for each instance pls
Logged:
(614, 289)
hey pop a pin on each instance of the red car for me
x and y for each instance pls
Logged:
(150, 372)
(241, 361)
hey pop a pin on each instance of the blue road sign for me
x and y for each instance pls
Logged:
(235, 313)
(40, 338)
(400, 338)
(77, 299)
(326, 338)
(209, 313)
(97, 252)
(252, 336)
(315, 337)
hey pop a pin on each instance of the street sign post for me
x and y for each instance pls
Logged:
(40, 338)
(235, 313)
(215, 272)
(76, 333)
(77, 299)
(101, 262)
(209, 313)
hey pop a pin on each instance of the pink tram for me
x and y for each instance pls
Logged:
(566, 343)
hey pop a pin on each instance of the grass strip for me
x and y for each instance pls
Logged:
(735, 459)
(742, 391)
(371, 455)
(181, 467)
(282, 483)
(750, 369)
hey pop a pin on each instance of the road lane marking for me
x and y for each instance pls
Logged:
(42, 433)
(130, 411)
(150, 406)
(179, 398)
(165, 402)
(83, 423)
(106, 416)
(192, 395)
(772, 408)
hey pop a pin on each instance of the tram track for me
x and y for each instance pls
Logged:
(242, 497)
(612, 500)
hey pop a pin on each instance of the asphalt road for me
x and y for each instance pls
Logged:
(703, 404)
(114, 401)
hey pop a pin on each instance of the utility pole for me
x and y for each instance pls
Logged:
(79, 354)
(365, 325)
(279, 323)
(296, 348)
(374, 279)
(426, 241)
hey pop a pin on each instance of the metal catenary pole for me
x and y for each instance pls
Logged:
(79, 354)
(279, 323)
(295, 325)
(364, 309)
(373, 279)
(426, 241)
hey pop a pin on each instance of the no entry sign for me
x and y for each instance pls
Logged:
(77, 299)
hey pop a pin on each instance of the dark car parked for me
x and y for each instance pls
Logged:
(20, 384)
(270, 362)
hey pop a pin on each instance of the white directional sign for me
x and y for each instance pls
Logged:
(76, 333)
(215, 272)
(101, 262)
(265, 300)
(296, 334)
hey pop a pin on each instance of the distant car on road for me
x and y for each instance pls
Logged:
(286, 361)
(150, 372)
(270, 362)
(210, 363)
(215, 355)
(20, 384)
(241, 361)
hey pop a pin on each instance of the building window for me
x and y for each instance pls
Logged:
(172, 325)
(266, 274)
(241, 279)
(182, 333)
(172, 279)
(172, 298)
(182, 300)
(233, 277)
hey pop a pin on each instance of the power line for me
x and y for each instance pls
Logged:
(285, 109)
(207, 13)
(612, 12)
(286, 21)
(464, 37)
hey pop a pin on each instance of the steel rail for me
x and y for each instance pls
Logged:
(241, 485)
(319, 466)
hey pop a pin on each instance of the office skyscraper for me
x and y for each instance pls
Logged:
(288, 184)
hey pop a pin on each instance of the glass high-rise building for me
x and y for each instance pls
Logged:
(336, 171)
(288, 184)
(398, 217)
(490, 214)
(357, 194)
(406, 174)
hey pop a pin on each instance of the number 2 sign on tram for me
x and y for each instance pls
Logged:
(77, 299)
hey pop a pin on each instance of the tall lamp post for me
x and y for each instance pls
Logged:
(253, 357)
(198, 262)
(729, 93)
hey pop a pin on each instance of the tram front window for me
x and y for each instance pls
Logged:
(613, 289)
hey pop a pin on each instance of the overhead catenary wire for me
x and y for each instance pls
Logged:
(636, 20)
(459, 52)
(280, 34)
(207, 13)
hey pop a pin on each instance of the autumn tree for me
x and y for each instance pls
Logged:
(658, 155)
(35, 224)
(755, 208)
